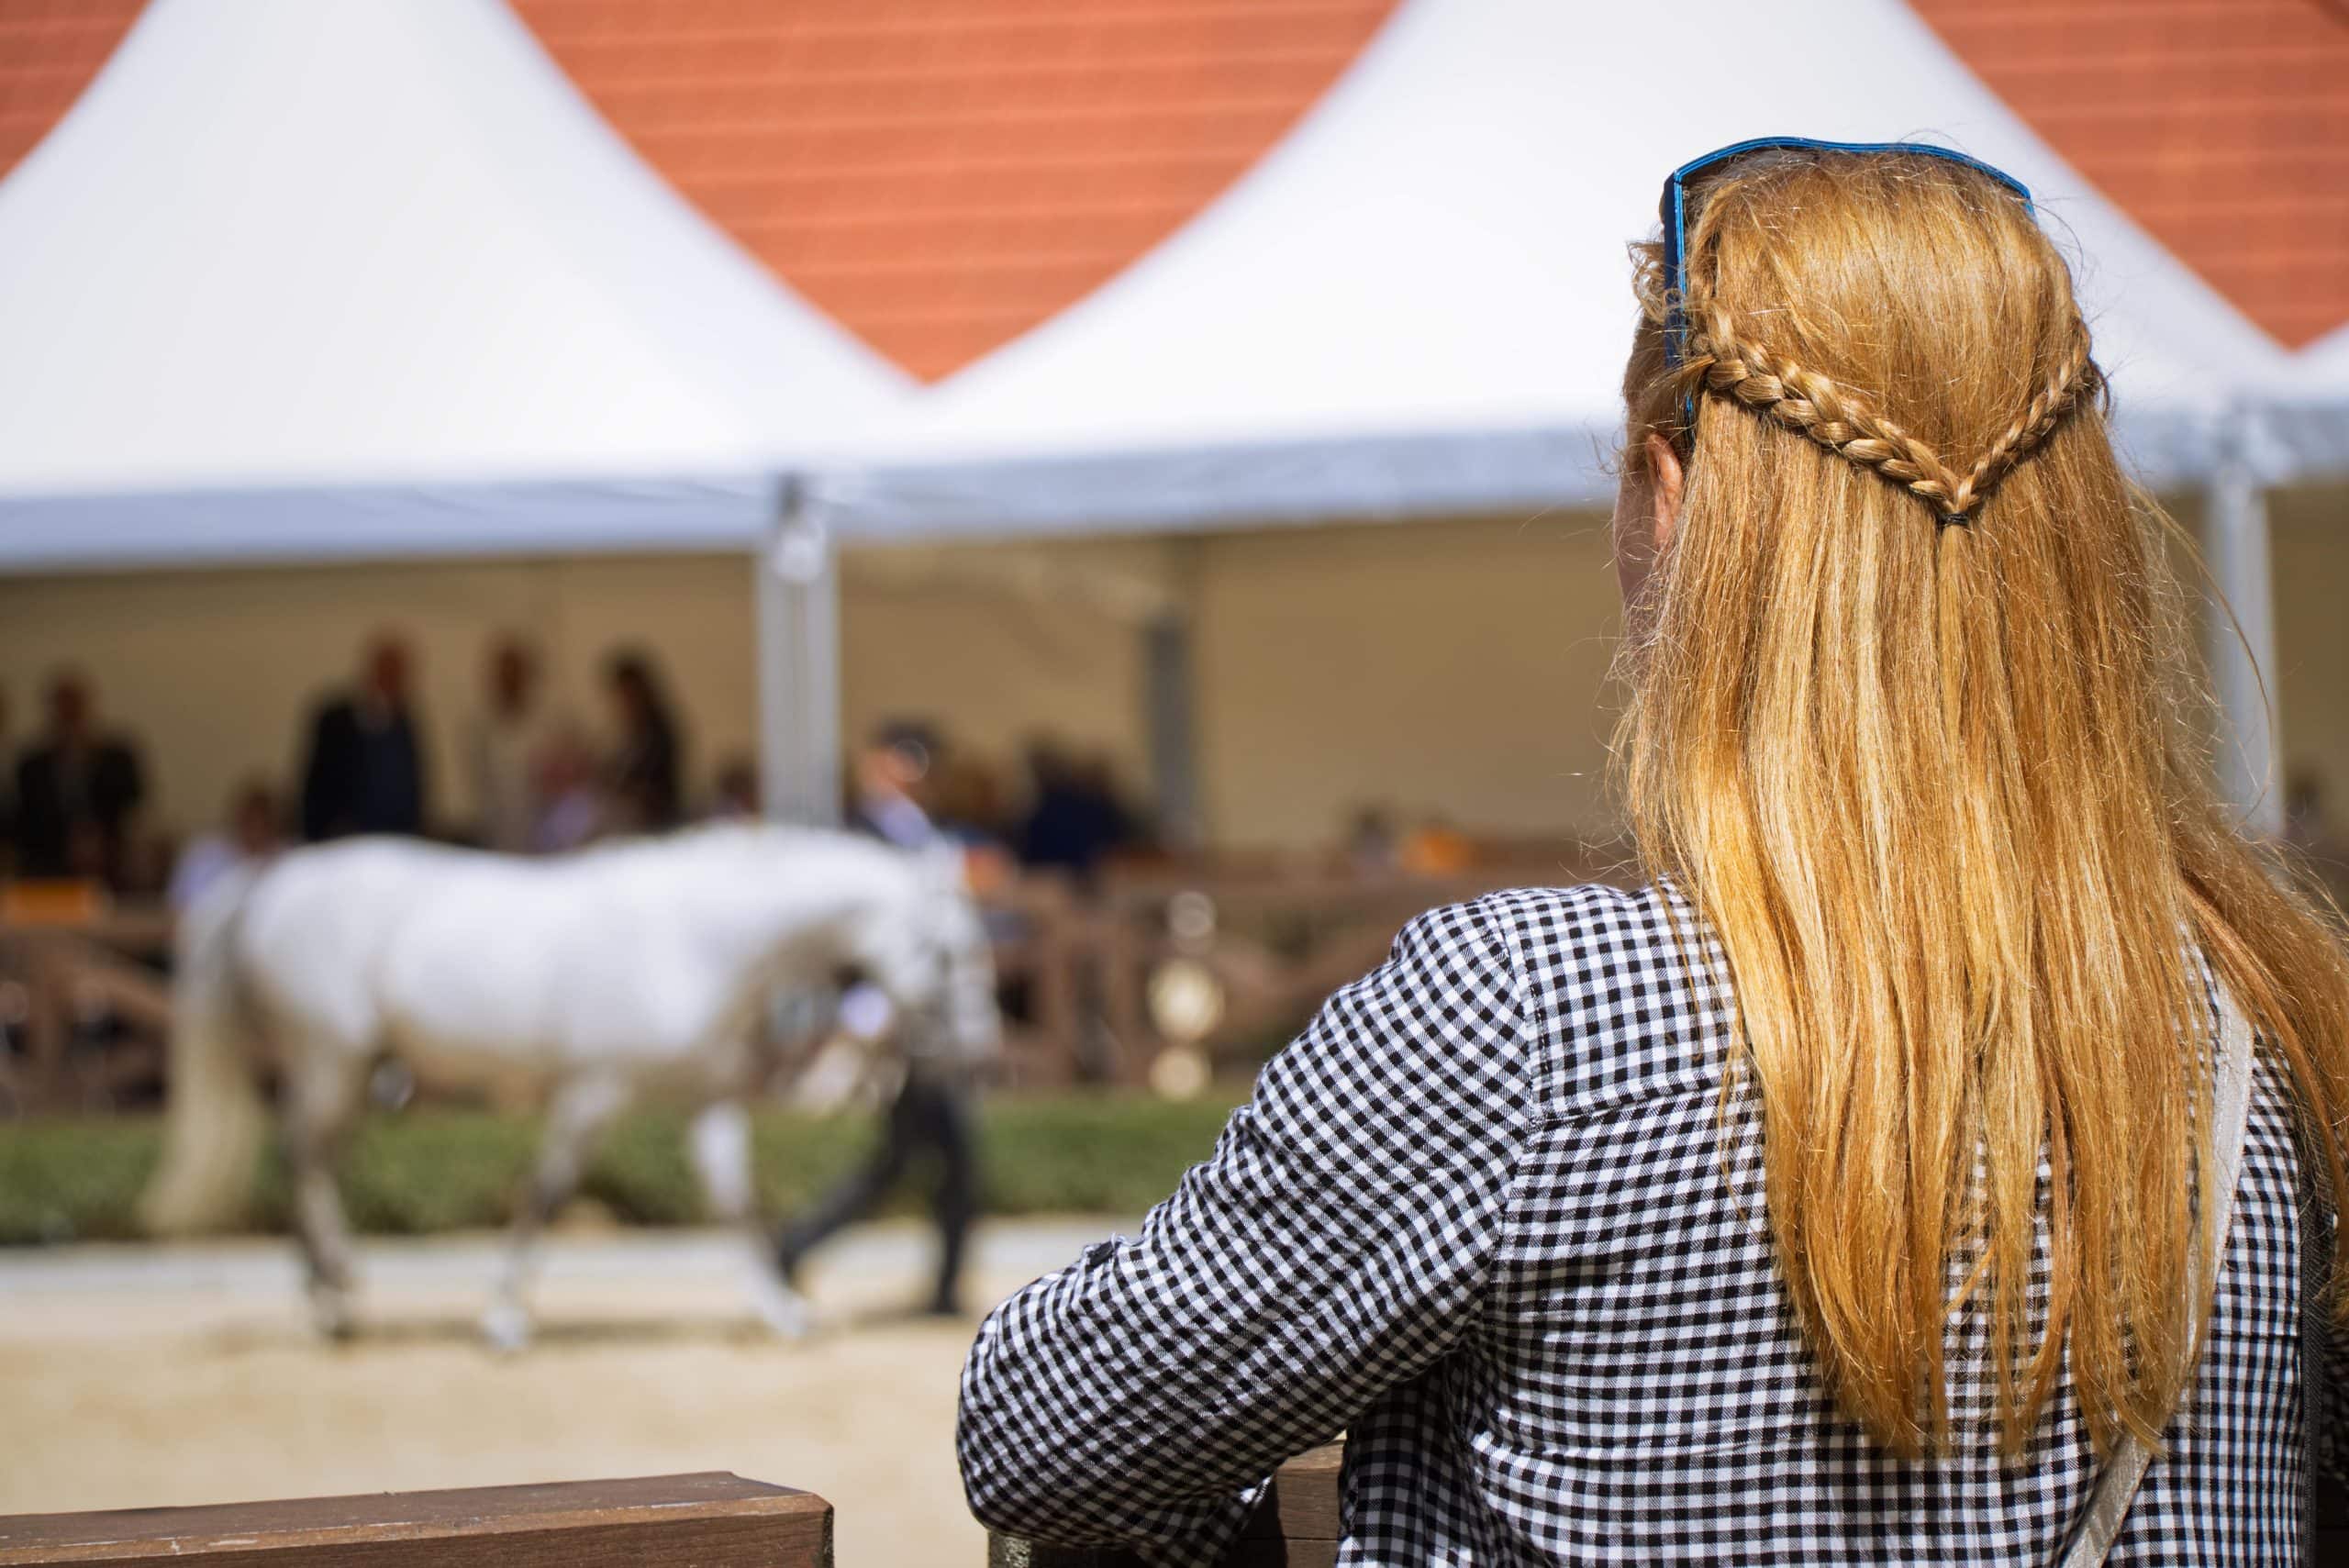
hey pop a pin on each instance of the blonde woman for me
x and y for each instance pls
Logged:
(1893, 1178)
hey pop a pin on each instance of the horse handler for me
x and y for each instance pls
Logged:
(934, 1107)
(933, 1112)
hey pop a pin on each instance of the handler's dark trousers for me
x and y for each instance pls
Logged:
(927, 1114)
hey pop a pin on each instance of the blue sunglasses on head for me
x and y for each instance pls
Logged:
(1673, 210)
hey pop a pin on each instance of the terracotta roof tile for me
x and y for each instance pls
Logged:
(941, 175)
(49, 52)
(2222, 126)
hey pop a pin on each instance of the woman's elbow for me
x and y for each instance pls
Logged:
(1015, 1493)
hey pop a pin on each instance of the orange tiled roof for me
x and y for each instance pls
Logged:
(49, 52)
(941, 175)
(2222, 126)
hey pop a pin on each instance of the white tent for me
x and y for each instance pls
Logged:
(1417, 303)
(296, 280)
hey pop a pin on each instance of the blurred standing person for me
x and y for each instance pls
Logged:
(509, 746)
(642, 776)
(7, 793)
(365, 769)
(933, 1110)
(255, 831)
(77, 791)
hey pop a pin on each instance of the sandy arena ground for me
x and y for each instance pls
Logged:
(132, 1376)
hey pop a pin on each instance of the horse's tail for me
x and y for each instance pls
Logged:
(214, 1124)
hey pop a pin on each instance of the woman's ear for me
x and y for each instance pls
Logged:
(1663, 490)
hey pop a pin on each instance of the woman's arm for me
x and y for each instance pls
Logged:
(1336, 1245)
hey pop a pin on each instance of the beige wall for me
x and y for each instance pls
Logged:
(1453, 668)
(2311, 684)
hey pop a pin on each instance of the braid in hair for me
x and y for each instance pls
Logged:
(1813, 406)
(2075, 378)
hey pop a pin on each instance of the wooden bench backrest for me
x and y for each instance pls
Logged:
(711, 1519)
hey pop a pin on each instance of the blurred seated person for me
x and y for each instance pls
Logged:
(888, 771)
(507, 744)
(735, 797)
(642, 789)
(1435, 848)
(1074, 818)
(364, 773)
(77, 789)
(1372, 849)
(571, 809)
(253, 832)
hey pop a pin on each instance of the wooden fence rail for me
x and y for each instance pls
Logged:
(710, 1520)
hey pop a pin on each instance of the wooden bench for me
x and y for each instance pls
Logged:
(710, 1521)
(1294, 1527)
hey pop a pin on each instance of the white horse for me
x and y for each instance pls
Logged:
(633, 968)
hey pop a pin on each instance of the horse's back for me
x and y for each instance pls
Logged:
(312, 925)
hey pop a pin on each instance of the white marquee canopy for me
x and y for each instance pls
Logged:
(305, 281)
(1420, 299)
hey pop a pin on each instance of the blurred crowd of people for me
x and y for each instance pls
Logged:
(71, 804)
(541, 782)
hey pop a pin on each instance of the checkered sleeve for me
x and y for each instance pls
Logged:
(1335, 1245)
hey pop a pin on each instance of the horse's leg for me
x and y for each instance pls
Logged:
(321, 1100)
(582, 1109)
(720, 1139)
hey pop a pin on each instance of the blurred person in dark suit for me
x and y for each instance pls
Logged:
(365, 769)
(643, 787)
(77, 789)
(7, 793)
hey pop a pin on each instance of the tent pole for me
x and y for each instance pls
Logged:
(2242, 569)
(1170, 703)
(798, 590)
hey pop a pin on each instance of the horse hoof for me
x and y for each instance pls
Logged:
(783, 1310)
(507, 1327)
(331, 1315)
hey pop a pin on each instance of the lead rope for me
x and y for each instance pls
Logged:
(2117, 1487)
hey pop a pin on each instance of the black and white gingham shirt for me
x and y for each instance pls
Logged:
(1478, 1215)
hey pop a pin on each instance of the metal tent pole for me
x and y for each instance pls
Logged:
(2242, 568)
(798, 591)
(1170, 697)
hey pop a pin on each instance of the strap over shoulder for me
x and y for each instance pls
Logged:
(2231, 1120)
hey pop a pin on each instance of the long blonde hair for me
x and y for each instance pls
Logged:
(1907, 726)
